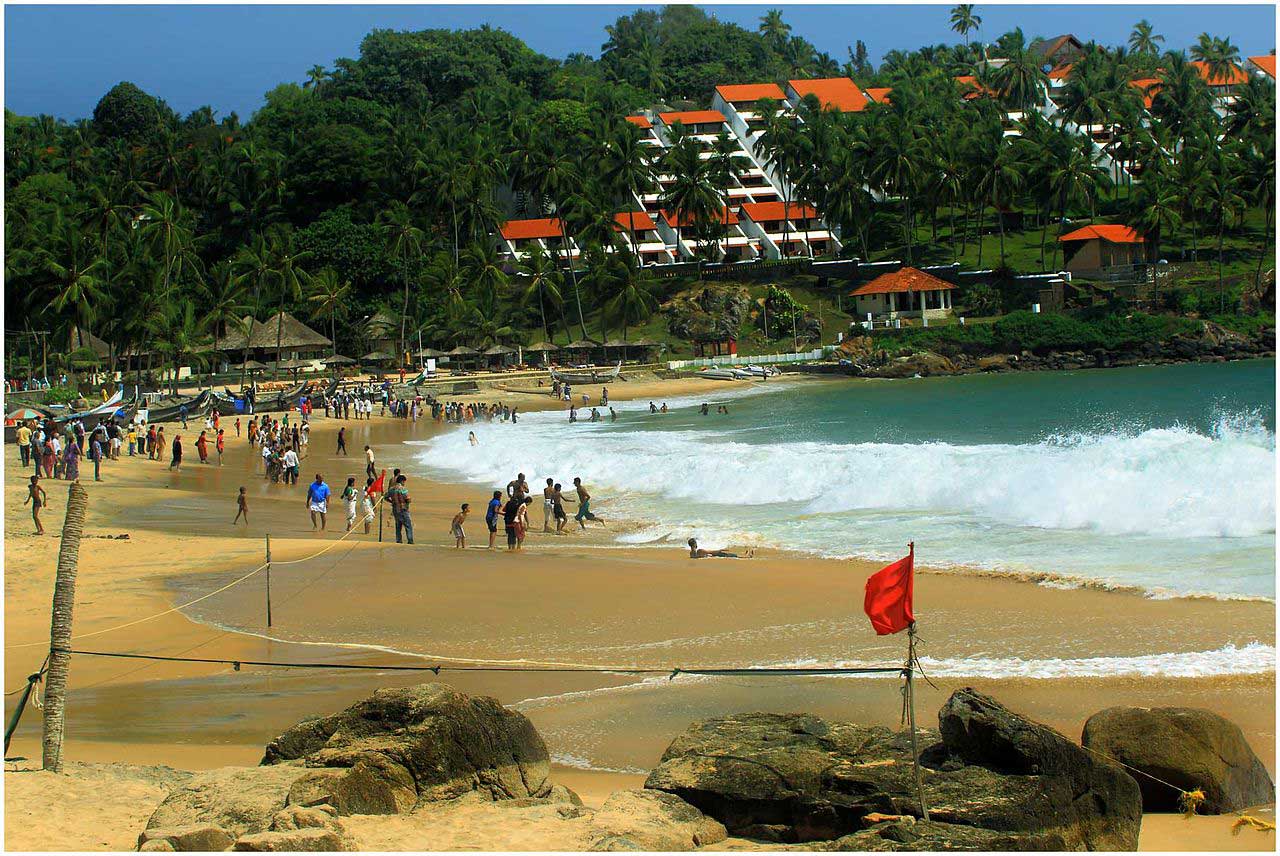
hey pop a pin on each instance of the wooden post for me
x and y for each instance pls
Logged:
(64, 600)
(268, 579)
(911, 714)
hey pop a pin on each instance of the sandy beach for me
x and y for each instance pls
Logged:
(579, 599)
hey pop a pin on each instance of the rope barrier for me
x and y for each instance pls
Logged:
(670, 672)
(191, 603)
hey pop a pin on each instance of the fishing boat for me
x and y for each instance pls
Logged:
(593, 376)
(169, 410)
(286, 400)
(720, 374)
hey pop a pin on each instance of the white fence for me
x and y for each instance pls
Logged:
(757, 360)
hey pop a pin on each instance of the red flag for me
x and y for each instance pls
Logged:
(888, 601)
(377, 486)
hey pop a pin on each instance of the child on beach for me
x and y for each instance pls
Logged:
(242, 508)
(491, 517)
(367, 502)
(38, 499)
(696, 552)
(219, 444)
(459, 536)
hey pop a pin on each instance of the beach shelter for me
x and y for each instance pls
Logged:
(377, 357)
(544, 348)
(338, 360)
(582, 349)
(643, 346)
(501, 352)
(249, 366)
(616, 349)
(429, 354)
(23, 413)
(460, 354)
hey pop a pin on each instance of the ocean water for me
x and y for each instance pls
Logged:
(1158, 477)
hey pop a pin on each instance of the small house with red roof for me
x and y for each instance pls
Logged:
(906, 293)
(700, 123)
(1091, 250)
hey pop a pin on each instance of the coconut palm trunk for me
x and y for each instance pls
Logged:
(64, 600)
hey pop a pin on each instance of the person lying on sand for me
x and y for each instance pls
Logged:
(696, 552)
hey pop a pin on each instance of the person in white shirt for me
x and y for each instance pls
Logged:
(291, 466)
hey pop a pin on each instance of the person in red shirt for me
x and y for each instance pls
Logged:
(202, 446)
(219, 444)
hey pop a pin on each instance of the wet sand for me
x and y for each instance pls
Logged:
(570, 599)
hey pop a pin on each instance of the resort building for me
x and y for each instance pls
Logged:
(833, 93)
(295, 341)
(1057, 51)
(641, 234)
(789, 230)
(522, 237)
(728, 242)
(905, 293)
(1095, 251)
(1263, 66)
(740, 106)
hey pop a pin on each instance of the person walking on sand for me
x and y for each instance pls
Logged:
(548, 505)
(369, 469)
(318, 501)
(158, 447)
(398, 496)
(342, 441)
(95, 455)
(38, 499)
(23, 436)
(510, 516)
(522, 522)
(242, 508)
(584, 505)
(219, 444)
(237, 426)
(175, 462)
(491, 516)
(350, 497)
(367, 505)
(202, 447)
(290, 462)
(459, 536)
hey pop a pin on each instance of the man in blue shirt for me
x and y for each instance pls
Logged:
(491, 516)
(318, 500)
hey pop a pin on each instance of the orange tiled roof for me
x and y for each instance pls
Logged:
(727, 216)
(1148, 86)
(905, 279)
(1111, 232)
(542, 227)
(970, 88)
(640, 121)
(838, 93)
(880, 95)
(1061, 72)
(765, 212)
(633, 221)
(1267, 63)
(740, 92)
(1231, 78)
(692, 117)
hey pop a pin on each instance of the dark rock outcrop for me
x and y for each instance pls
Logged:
(407, 745)
(797, 778)
(1187, 747)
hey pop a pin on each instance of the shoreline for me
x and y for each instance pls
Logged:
(203, 715)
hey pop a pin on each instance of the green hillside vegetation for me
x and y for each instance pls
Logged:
(377, 183)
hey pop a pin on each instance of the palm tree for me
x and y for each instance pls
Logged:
(283, 264)
(1223, 202)
(1220, 57)
(543, 284)
(184, 338)
(773, 28)
(1144, 40)
(328, 298)
(223, 303)
(70, 266)
(315, 76)
(168, 227)
(484, 268)
(963, 21)
(1156, 210)
(254, 262)
(1021, 81)
(1077, 176)
(632, 298)
(404, 244)
(629, 166)
(557, 177)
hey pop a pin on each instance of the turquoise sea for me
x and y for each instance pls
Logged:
(1158, 477)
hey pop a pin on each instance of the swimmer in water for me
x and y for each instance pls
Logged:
(696, 552)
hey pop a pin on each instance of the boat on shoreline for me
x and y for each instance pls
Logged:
(592, 376)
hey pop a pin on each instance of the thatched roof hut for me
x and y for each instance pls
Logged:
(295, 337)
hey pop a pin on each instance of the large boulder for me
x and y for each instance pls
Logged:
(407, 745)
(922, 363)
(1187, 747)
(237, 799)
(653, 820)
(299, 829)
(197, 839)
(796, 778)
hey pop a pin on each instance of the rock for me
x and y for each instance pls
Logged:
(923, 363)
(187, 838)
(293, 841)
(373, 785)
(929, 836)
(993, 363)
(238, 799)
(654, 820)
(447, 742)
(1187, 747)
(158, 845)
(313, 817)
(797, 778)
(614, 844)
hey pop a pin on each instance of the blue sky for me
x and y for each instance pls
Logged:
(62, 59)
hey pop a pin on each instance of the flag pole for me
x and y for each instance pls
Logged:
(911, 698)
